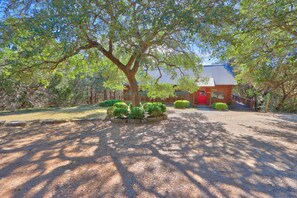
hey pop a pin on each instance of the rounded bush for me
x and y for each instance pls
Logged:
(155, 111)
(146, 106)
(110, 110)
(121, 105)
(136, 113)
(120, 112)
(108, 103)
(221, 106)
(180, 104)
(161, 105)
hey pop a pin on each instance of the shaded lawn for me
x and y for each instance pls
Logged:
(90, 111)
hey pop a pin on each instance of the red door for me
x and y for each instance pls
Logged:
(202, 99)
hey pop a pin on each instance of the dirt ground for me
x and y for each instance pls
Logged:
(195, 153)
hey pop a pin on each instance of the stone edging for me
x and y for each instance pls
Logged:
(47, 121)
(139, 121)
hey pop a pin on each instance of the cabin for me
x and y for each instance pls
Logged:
(215, 85)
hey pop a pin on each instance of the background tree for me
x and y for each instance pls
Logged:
(261, 44)
(122, 36)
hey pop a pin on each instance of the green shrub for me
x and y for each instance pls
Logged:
(108, 103)
(213, 105)
(121, 105)
(110, 110)
(155, 111)
(220, 106)
(120, 112)
(146, 106)
(136, 113)
(180, 104)
(161, 105)
(130, 106)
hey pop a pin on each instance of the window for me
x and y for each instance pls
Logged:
(217, 95)
(202, 93)
(180, 93)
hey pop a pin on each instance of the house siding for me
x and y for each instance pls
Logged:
(226, 89)
(193, 98)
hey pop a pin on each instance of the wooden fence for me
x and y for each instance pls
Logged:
(245, 102)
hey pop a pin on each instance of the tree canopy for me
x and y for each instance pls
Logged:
(122, 37)
(261, 43)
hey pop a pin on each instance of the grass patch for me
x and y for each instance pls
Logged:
(90, 111)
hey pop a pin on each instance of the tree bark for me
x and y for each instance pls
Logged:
(134, 89)
(281, 103)
(267, 103)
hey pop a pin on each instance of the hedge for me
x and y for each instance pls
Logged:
(120, 112)
(158, 104)
(136, 113)
(220, 106)
(121, 105)
(155, 111)
(108, 103)
(180, 104)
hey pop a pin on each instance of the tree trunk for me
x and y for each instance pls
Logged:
(267, 103)
(134, 89)
(281, 103)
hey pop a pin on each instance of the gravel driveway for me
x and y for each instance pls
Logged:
(195, 153)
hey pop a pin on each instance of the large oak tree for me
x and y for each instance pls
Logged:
(125, 37)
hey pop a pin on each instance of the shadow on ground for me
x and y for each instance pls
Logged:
(185, 156)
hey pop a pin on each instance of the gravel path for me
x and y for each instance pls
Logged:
(195, 153)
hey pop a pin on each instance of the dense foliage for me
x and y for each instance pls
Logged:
(121, 105)
(136, 113)
(159, 104)
(181, 104)
(154, 110)
(123, 39)
(146, 105)
(120, 112)
(220, 106)
(108, 103)
(261, 44)
(58, 91)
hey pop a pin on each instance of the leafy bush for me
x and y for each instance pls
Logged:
(220, 106)
(130, 106)
(110, 110)
(180, 104)
(155, 111)
(146, 106)
(136, 113)
(159, 104)
(108, 103)
(120, 112)
(121, 105)
(213, 105)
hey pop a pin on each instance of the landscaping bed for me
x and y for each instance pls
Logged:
(120, 112)
(140, 121)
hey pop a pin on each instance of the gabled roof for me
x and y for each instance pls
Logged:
(211, 75)
(220, 73)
